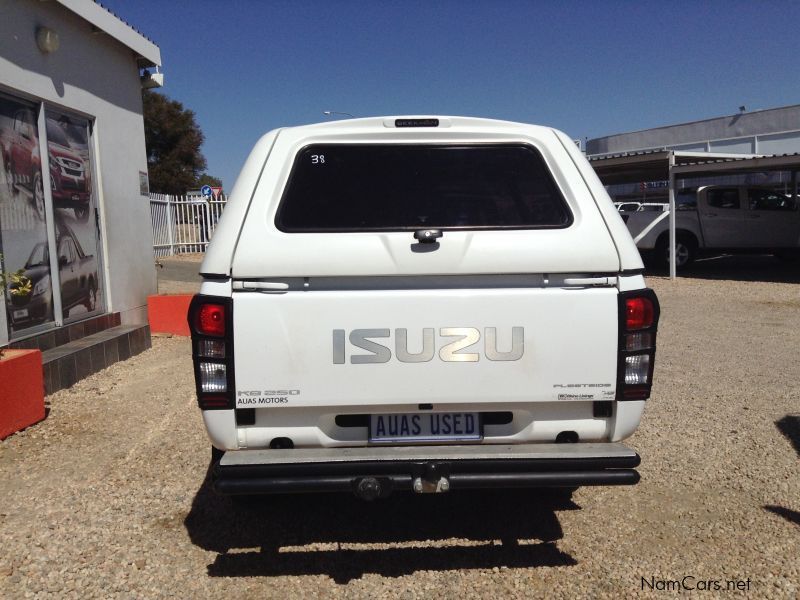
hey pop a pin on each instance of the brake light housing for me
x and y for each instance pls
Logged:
(210, 319)
(211, 325)
(639, 312)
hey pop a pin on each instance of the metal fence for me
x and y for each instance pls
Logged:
(183, 224)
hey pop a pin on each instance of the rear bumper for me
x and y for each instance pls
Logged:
(377, 471)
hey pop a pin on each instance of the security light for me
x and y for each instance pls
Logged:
(47, 40)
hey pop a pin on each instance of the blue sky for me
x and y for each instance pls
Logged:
(588, 68)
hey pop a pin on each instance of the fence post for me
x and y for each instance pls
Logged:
(170, 226)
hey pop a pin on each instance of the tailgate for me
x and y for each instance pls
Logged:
(412, 346)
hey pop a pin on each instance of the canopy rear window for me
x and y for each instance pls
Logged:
(372, 187)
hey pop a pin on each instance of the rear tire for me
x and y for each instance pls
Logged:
(685, 250)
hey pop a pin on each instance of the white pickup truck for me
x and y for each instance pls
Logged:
(716, 219)
(421, 303)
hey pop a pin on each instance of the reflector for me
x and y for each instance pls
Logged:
(214, 402)
(641, 392)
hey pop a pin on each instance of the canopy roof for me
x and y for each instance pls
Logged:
(653, 165)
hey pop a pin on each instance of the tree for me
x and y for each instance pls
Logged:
(206, 179)
(173, 141)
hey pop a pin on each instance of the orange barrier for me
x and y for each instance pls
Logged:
(167, 314)
(22, 390)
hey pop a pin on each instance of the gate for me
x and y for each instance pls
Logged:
(183, 224)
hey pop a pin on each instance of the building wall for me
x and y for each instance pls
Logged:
(772, 131)
(96, 76)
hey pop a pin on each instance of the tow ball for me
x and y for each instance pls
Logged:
(424, 486)
(434, 481)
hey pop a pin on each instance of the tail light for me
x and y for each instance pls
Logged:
(638, 322)
(210, 320)
(211, 324)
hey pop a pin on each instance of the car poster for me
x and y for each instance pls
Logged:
(23, 219)
(74, 213)
(25, 213)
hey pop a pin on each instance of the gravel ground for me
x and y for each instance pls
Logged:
(108, 497)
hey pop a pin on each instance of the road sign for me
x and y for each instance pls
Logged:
(206, 191)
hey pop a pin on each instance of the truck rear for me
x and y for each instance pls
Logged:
(421, 304)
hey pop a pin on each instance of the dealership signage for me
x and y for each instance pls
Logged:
(653, 185)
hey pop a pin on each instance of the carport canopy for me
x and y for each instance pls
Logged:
(661, 165)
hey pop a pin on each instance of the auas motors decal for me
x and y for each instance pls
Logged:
(456, 344)
(246, 398)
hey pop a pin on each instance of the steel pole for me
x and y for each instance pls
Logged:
(672, 267)
(170, 226)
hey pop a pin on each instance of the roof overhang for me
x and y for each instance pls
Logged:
(147, 53)
(654, 165)
(756, 164)
(632, 168)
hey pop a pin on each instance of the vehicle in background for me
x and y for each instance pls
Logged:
(720, 219)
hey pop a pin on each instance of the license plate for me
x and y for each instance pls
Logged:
(21, 313)
(425, 427)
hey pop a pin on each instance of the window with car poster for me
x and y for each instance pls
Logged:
(24, 219)
(49, 231)
(74, 214)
